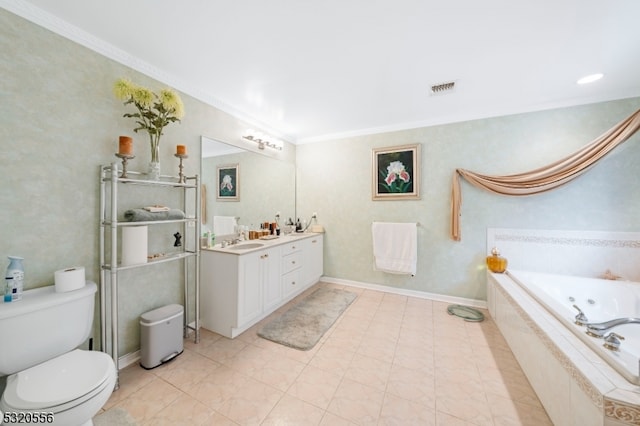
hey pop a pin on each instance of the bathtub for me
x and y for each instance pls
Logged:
(578, 381)
(600, 300)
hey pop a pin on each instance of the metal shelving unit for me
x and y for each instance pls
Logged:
(109, 224)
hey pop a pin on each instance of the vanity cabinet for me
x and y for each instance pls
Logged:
(249, 287)
(291, 267)
(269, 278)
(313, 261)
(239, 288)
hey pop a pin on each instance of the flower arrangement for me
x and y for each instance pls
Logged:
(155, 110)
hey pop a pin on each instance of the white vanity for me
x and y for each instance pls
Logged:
(243, 283)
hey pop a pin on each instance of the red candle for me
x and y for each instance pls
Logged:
(181, 150)
(126, 145)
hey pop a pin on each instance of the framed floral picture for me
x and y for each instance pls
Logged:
(396, 173)
(228, 183)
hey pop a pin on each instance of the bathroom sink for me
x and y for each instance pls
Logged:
(245, 246)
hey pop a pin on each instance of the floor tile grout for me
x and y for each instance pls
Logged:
(419, 373)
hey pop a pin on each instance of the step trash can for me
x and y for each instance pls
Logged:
(161, 335)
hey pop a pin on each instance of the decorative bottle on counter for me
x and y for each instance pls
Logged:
(14, 278)
(495, 262)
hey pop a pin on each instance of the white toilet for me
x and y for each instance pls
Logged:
(39, 336)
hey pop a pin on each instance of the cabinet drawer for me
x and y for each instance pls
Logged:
(291, 262)
(291, 248)
(291, 283)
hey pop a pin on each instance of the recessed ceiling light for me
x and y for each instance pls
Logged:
(590, 78)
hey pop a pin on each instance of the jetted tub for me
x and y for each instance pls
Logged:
(601, 300)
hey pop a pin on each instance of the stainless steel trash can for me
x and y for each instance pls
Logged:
(161, 335)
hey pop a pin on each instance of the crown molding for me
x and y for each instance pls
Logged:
(44, 19)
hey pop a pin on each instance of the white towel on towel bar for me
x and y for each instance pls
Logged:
(224, 225)
(395, 247)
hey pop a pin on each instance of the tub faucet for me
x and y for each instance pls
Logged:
(581, 318)
(599, 329)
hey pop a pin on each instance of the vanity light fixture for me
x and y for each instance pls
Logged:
(263, 139)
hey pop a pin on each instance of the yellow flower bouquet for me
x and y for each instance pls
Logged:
(155, 111)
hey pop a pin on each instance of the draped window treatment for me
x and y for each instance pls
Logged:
(545, 178)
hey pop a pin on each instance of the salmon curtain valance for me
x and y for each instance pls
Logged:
(545, 178)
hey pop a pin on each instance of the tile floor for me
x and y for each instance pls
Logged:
(388, 360)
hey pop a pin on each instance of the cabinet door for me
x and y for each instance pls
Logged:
(249, 288)
(291, 283)
(270, 273)
(312, 264)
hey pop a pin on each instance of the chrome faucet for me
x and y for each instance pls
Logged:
(581, 318)
(599, 329)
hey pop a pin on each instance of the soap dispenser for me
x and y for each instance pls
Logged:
(495, 262)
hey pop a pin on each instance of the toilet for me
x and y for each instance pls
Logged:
(46, 372)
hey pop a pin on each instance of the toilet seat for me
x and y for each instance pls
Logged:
(60, 383)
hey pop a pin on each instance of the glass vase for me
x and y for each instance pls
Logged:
(153, 172)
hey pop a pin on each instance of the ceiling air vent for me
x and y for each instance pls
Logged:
(442, 88)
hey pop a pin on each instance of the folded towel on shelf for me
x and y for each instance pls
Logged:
(156, 209)
(142, 215)
(224, 225)
(395, 247)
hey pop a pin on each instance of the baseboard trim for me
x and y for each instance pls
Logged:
(406, 292)
(126, 360)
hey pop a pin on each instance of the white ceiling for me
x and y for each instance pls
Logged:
(310, 70)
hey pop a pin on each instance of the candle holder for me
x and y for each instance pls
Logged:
(181, 177)
(125, 158)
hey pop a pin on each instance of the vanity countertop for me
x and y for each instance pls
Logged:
(251, 244)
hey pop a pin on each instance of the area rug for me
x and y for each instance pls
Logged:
(114, 417)
(302, 326)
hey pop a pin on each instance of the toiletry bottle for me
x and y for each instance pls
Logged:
(15, 274)
(495, 262)
(8, 289)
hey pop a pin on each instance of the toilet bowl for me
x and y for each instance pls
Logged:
(73, 387)
(46, 373)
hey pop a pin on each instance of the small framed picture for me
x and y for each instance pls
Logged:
(396, 173)
(228, 183)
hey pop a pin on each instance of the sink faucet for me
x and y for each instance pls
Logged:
(599, 329)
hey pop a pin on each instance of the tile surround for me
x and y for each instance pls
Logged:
(581, 253)
(388, 360)
(594, 393)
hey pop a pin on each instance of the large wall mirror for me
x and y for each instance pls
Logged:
(261, 185)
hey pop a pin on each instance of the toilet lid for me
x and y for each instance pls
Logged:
(58, 381)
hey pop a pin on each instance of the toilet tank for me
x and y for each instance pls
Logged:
(43, 325)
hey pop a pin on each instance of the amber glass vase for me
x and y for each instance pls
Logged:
(495, 262)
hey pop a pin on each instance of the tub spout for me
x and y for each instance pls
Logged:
(600, 329)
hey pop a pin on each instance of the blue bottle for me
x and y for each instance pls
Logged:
(8, 290)
(14, 279)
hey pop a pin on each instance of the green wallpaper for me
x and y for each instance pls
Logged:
(267, 185)
(334, 179)
(59, 122)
